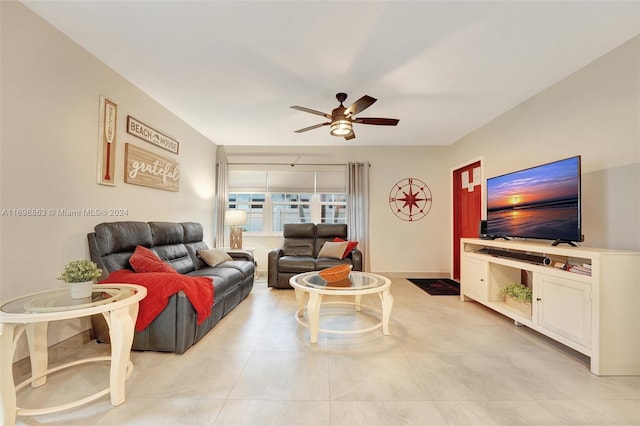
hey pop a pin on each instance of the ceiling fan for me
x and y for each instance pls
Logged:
(341, 118)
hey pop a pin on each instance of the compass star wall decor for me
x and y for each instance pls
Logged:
(410, 199)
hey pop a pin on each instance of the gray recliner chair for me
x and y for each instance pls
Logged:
(299, 252)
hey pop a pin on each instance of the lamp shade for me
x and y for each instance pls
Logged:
(341, 128)
(235, 217)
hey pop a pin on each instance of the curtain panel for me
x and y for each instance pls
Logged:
(358, 208)
(222, 195)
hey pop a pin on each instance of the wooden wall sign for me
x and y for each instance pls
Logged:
(146, 133)
(148, 169)
(107, 142)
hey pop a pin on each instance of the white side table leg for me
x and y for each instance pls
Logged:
(38, 352)
(9, 334)
(121, 325)
(299, 298)
(387, 305)
(313, 310)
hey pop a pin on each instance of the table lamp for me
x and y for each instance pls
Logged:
(236, 219)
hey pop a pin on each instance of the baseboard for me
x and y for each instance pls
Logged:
(57, 352)
(414, 274)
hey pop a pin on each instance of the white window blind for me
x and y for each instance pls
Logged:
(247, 181)
(331, 181)
(291, 181)
(301, 179)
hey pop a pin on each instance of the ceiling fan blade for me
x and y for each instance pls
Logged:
(315, 126)
(351, 135)
(311, 111)
(360, 105)
(377, 121)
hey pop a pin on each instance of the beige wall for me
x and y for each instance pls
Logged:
(50, 91)
(594, 113)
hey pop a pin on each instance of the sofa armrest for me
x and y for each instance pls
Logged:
(356, 259)
(274, 255)
(94, 252)
(241, 255)
(272, 266)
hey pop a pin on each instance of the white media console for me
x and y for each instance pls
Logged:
(585, 298)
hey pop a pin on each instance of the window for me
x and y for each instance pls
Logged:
(333, 208)
(253, 204)
(278, 195)
(290, 208)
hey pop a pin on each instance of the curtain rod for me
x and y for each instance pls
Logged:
(288, 164)
(292, 164)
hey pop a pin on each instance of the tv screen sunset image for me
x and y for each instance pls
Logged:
(540, 202)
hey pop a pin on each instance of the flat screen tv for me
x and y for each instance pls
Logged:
(541, 202)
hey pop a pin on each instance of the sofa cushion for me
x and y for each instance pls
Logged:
(145, 260)
(299, 239)
(166, 233)
(296, 264)
(331, 230)
(247, 269)
(333, 250)
(193, 232)
(298, 247)
(177, 256)
(214, 256)
(328, 262)
(299, 230)
(117, 237)
(224, 279)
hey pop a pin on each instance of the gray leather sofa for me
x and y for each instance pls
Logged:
(299, 252)
(175, 329)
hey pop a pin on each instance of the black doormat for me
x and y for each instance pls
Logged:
(437, 286)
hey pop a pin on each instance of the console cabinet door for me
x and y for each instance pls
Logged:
(473, 278)
(564, 307)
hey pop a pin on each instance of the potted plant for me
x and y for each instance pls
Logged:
(518, 296)
(80, 274)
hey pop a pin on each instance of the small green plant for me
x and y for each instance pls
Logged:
(79, 271)
(518, 292)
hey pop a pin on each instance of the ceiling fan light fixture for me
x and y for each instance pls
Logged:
(341, 119)
(341, 128)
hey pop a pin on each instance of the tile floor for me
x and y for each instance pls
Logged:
(446, 363)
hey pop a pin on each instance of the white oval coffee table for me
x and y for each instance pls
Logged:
(311, 284)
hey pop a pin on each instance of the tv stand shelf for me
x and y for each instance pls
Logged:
(584, 298)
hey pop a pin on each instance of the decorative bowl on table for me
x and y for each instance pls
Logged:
(336, 274)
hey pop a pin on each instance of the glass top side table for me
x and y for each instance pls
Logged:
(118, 303)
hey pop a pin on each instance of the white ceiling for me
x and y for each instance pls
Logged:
(444, 68)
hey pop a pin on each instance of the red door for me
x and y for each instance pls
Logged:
(467, 208)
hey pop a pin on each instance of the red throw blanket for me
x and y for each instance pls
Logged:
(162, 285)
